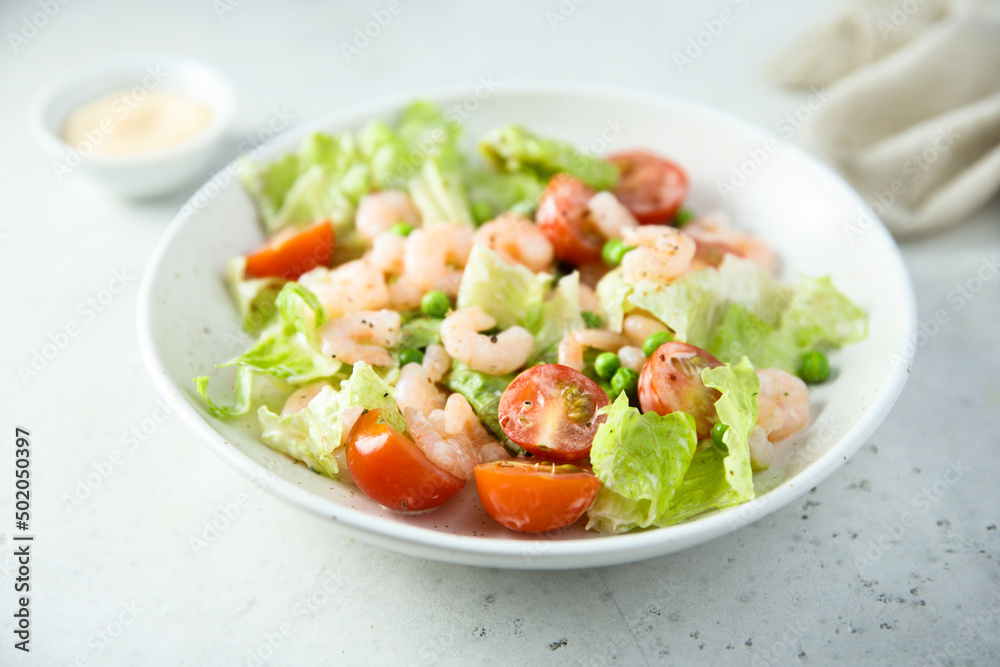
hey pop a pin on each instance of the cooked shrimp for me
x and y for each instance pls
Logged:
(300, 398)
(435, 256)
(453, 453)
(632, 357)
(361, 336)
(661, 252)
(715, 238)
(761, 449)
(387, 253)
(379, 211)
(639, 327)
(351, 287)
(609, 215)
(782, 404)
(416, 386)
(589, 301)
(436, 361)
(496, 354)
(518, 241)
(459, 417)
(570, 352)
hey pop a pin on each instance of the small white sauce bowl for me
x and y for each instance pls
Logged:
(143, 174)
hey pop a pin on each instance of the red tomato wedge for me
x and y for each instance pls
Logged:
(533, 496)
(652, 188)
(671, 381)
(291, 252)
(565, 220)
(392, 471)
(551, 411)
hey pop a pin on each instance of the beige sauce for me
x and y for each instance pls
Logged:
(124, 123)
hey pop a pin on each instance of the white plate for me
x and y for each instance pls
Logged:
(187, 323)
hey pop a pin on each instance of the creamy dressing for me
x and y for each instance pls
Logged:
(122, 123)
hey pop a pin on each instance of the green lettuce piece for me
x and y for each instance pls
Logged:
(495, 192)
(241, 395)
(419, 332)
(514, 296)
(439, 194)
(268, 184)
(716, 478)
(254, 297)
(515, 149)
(653, 474)
(310, 435)
(483, 393)
(640, 460)
(741, 310)
(288, 348)
(314, 433)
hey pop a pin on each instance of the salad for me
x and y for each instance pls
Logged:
(555, 327)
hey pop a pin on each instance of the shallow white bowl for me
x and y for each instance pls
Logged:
(186, 322)
(146, 174)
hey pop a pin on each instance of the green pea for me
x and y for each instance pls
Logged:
(815, 367)
(592, 320)
(684, 216)
(481, 212)
(607, 364)
(435, 304)
(719, 430)
(624, 380)
(410, 356)
(613, 251)
(401, 228)
(653, 343)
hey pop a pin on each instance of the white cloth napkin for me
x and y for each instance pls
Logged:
(913, 112)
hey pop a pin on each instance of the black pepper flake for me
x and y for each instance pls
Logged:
(385, 395)
(493, 338)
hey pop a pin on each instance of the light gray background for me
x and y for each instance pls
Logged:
(836, 576)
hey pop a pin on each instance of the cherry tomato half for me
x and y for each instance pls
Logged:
(291, 252)
(652, 188)
(671, 381)
(533, 496)
(551, 411)
(564, 218)
(392, 471)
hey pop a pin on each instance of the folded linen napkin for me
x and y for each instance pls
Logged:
(913, 112)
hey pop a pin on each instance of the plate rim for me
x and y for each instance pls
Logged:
(557, 553)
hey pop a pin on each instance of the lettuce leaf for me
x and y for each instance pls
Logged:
(741, 310)
(254, 297)
(514, 296)
(640, 460)
(651, 473)
(419, 332)
(288, 348)
(514, 149)
(314, 433)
